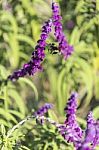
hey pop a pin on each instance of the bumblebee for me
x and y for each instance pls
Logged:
(52, 48)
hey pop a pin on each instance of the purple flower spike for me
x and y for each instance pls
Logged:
(91, 134)
(71, 105)
(71, 131)
(90, 131)
(65, 49)
(37, 56)
(96, 139)
(44, 109)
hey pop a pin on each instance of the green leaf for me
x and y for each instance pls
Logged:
(18, 100)
(3, 131)
(25, 39)
(2, 121)
(25, 148)
(9, 17)
(16, 113)
(31, 84)
(53, 80)
(75, 36)
(7, 115)
(29, 7)
(14, 45)
(61, 100)
(53, 116)
(87, 77)
(35, 29)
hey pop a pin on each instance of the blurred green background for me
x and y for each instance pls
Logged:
(20, 28)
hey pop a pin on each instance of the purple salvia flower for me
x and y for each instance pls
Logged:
(44, 109)
(71, 131)
(96, 139)
(90, 134)
(85, 147)
(65, 49)
(90, 131)
(37, 56)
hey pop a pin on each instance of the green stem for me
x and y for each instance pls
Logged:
(10, 132)
(18, 125)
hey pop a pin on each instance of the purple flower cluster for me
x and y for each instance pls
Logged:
(91, 134)
(44, 109)
(37, 56)
(71, 131)
(96, 139)
(64, 47)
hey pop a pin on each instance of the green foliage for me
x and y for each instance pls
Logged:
(42, 137)
(80, 72)
(20, 24)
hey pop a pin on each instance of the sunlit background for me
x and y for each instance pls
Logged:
(20, 28)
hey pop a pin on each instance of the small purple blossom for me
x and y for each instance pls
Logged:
(65, 49)
(71, 131)
(37, 56)
(90, 131)
(44, 109)
(96, 139)
(91, 134)
(40, 113)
